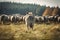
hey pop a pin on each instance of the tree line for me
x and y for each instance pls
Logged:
(13, 8)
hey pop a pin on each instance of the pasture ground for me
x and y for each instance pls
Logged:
(20, 32)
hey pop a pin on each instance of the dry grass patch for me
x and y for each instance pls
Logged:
(20, 32)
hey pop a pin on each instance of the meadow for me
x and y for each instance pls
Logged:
(39, 32)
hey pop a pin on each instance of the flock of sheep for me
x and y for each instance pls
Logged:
(29, 19)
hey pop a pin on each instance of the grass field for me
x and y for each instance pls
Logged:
(20, 32)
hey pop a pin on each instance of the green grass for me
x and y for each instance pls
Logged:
(20, 32)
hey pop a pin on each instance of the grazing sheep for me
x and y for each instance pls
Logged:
(59, 19)
(5, 19)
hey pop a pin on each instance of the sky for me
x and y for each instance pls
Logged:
(50, 3)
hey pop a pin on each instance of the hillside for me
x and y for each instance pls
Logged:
(12, 8)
